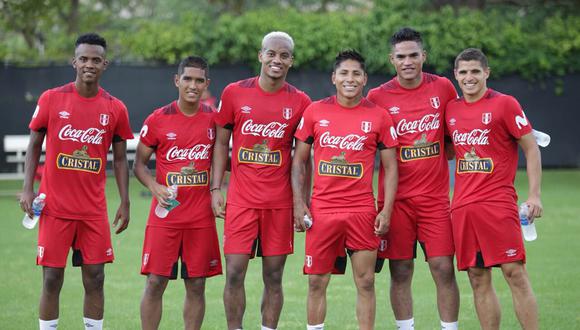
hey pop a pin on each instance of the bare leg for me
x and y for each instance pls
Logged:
(152, 301)
(401, 278)
(52, 280)
(363, 268)
(447, 291)
(484, 297)
(525, 304)
(194, 305)
(234, 291)
(316, 304)
(273, 296)
(93, 281)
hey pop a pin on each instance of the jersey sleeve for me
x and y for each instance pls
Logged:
(449, 90)
(387, 132)
(225, 111)
(148, 134)
(305, 130)
(123, 129)
(515, 120)
(39, 121)
(372, 96)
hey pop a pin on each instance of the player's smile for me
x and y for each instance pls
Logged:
(276, 58)
(408, 58)
(350, 79)
(471, 77)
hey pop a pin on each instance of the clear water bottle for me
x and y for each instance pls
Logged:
(542, 138)
(161, 211)
(307, 221)
(528, 229)
(37, 206)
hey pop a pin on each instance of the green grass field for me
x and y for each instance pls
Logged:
(552, 264)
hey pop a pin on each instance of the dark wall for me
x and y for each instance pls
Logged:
(144, 89)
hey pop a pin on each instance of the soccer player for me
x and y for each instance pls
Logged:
(346, 131)
(486, 127)
(80, 121)
(181, 135)
(261, 114)
(416, 101)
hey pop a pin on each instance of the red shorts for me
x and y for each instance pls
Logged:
(198, 248)
(487, 235)
(331, 234)
(418, 219)
(269, 231)
(90, 240)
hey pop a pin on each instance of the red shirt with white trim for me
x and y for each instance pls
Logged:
(263, 126)
(345, 144)
(79, 133)
(485, 135)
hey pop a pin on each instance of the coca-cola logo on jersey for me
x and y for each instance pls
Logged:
(349, 142)
(475, 137)
(90, 135)
(270, 130)
(199, 151)
(428, 122)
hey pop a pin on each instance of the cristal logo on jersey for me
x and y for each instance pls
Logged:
(426, 123)
(63, 114)
(90, 135)
(340, 167)
(211, 133)
(486, 118)
(287, 113)
(188, 176)
(197, 152)
(435, 102)
(104, 119)
(260, 154)
(521, 121)
(421, 149)
(349, 142)
(79, 160)
(366, 126)
(270, 130)
(474, 137)
(472, 163)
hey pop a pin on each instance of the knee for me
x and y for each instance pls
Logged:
(401, 271)
(53, 282)
(155, 285)
(365, 282)
(234, 278)
(196, 288)
(479, 279)
(442, 269)
(94, 280)
(317, 285)
(516, 277)
(273, 280)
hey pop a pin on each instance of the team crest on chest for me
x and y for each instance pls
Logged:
(366, 126)
(486, 118)
(435, 102)
(287, 113)
(104, 119)
(211, 133)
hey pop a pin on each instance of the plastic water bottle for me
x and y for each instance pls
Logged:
(528, 229)
(542, 138)
(307, 221)
(37, 206)
(161, 211)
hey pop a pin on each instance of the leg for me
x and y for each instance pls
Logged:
(93, 281)
(52, 280)
(523, 297)
(447, 291)
(485, 299)
(152, 301)
(401, 278)
(194, 306)
(316, 303)
(363, 267)
(234, 291)
(273, 296)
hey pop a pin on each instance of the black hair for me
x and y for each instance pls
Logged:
(349, 54)
(193, 62)
(406, 34)
(472, 54)
(91, 39)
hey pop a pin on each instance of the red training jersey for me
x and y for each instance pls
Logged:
(345, 143)
(418, 115)
(485, 135)
(263, 126)
(183, 148)
(79, 133)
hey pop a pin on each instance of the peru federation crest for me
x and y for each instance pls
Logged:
(435, 102)
(486, 117)
(287, 113)
(211, 133)
(366, 126)
(104, 119)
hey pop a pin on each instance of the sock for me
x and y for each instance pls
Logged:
(47, 325)
(315, 327)
(449, 325)
(266, 328)
(91, 324)
(406, 324)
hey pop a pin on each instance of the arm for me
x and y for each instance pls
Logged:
(299, 167)
(449, 150)
(218, 166)
(121, 169)
(534, 171)
(389, 161)
(30, 164)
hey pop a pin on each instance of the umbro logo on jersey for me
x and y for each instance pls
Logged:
(246, 109)
(511, 252)
(323, 123)
(366, 126)
(452, 122)
(486, 118)
(171, 136)
(435, 103)
(394, 110)
(64, 114)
